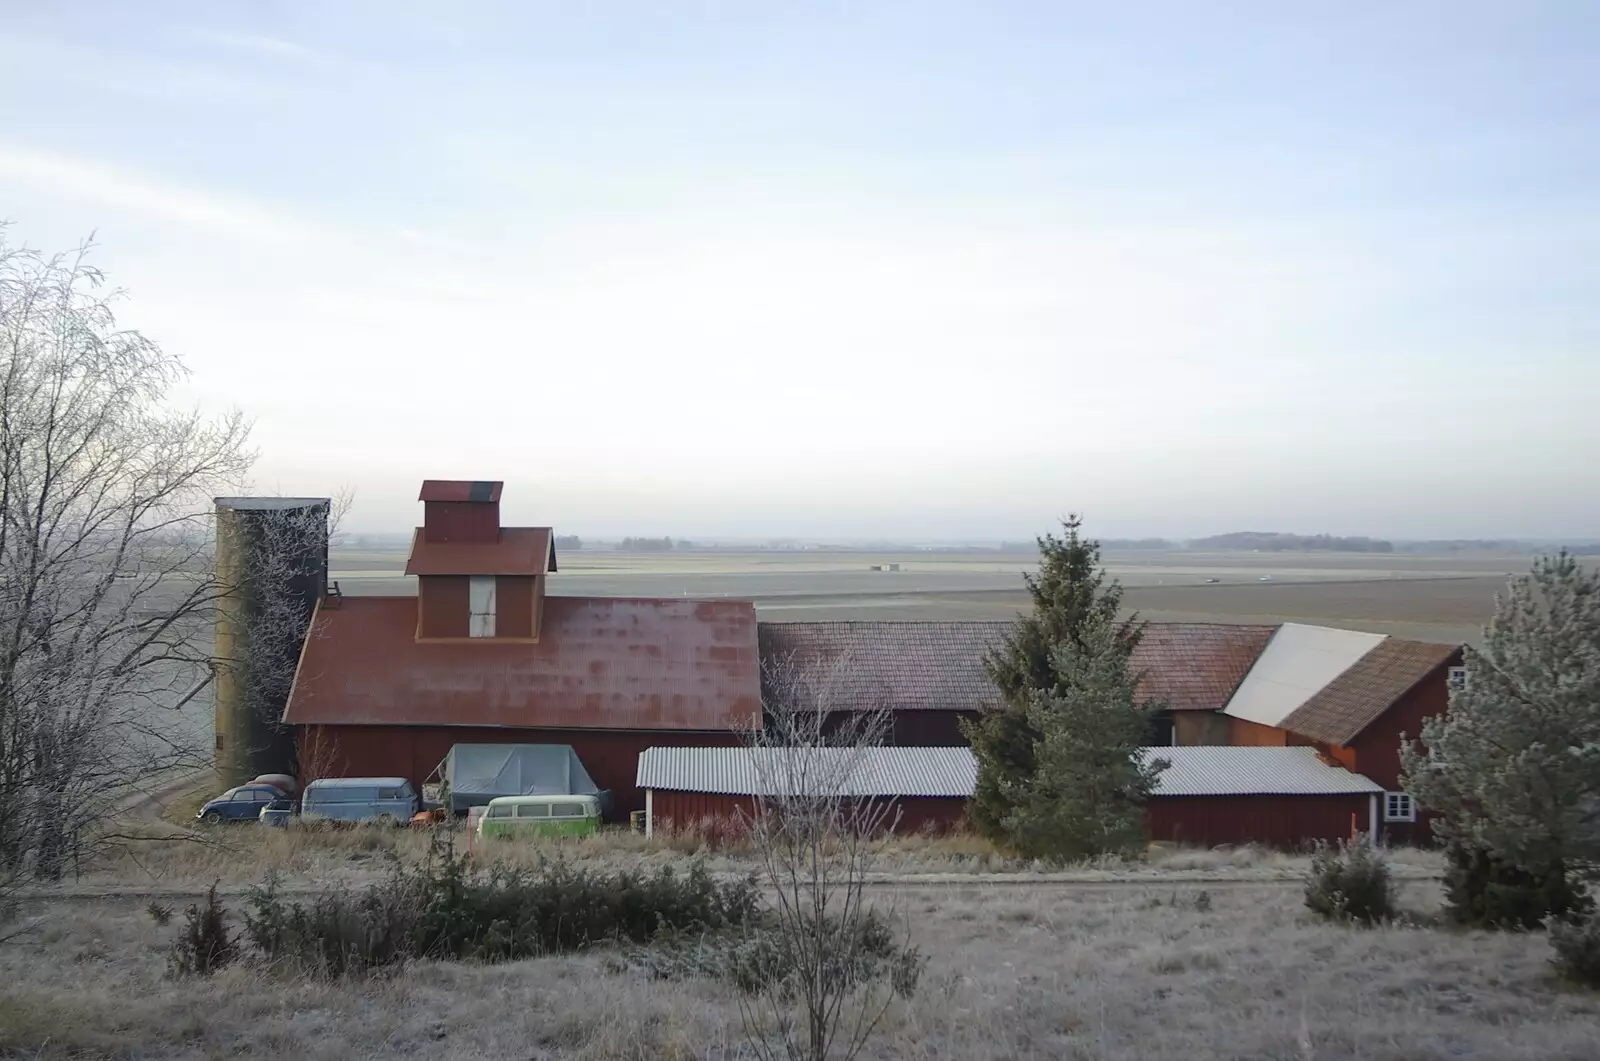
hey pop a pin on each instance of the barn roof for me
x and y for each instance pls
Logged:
(938, 666)
(1340, 710)
(600, 663)
(518, 551)
(953, 771)
(949, 772)
(1254, 772)
(476, 490)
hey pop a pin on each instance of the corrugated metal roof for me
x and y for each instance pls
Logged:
(938, 666)
(519, 551)
(479, 490)
(1356, 698)
(1296, 664)
(1254, 772)
(850, 771)
(600, 663)
(953, 771)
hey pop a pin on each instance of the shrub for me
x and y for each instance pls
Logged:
(444, 909)
(161, 915)
(1486, 892)
(206, 944)
(1350, 882)
(1577, 945)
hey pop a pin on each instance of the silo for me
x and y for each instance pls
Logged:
(272, 568)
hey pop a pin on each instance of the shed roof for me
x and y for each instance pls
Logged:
(600, 663)
(947, 772)
(1340, 710)
(1254, 772)
(1298, 662)
(938, 666)
(953, 771)
(518, 551)
(479, 490)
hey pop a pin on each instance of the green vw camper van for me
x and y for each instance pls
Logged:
(564, 815)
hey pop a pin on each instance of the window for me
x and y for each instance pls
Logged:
(1458, 679)
(1398, 807)
(480, 604)
(388, 793)
(567, 810)
(501, 811)
(533, 810)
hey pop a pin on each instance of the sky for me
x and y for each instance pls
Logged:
(910, 270)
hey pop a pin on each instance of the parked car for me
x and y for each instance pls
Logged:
(564, 815)
(282, 782)
(279, 812)
(242, 804)
(354, 799)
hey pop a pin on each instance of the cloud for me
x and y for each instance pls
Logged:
(64, 176)
(260, 44)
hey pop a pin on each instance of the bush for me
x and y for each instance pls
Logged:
(206, 944)
(1485, 892)
(1350, 882)
(1577, 945)
(444, 909)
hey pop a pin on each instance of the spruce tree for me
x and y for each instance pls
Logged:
(1086, 793)
(1513, 769)
(1070, 591)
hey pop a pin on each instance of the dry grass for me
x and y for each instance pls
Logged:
(1136, 972)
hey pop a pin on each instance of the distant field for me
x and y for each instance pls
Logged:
(1443, 598)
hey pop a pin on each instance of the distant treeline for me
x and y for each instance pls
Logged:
(570, 543)
(653, 545)
(1269, 542)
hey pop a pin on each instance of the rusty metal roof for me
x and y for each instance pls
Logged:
(938, 666)
(1253, 772)
(1340, 710)
(846, 771)
(519, 551)
(460, 490)
(601, 663)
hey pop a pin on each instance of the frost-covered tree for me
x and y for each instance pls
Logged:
(1086, 793)
(1513, 769)
(1070, 591)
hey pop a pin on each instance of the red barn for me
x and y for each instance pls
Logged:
(483, 655)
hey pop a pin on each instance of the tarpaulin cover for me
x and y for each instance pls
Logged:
(477, 773)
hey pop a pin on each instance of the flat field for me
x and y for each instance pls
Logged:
(1161, 968)
(1441, 598)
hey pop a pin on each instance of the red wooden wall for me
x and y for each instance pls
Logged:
(685, 810)
(1276, 821)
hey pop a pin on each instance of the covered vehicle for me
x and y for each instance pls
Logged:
(473, 774)
(242, 804)
(282, 782)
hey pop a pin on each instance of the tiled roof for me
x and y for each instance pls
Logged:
(847, 771)
(938, 666)
(1351, 702)
(519, 551)
(1253, 772)
(600, 663)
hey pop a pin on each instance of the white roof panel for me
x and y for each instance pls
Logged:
(853, 771)
(1254, 772)
(1294, 667)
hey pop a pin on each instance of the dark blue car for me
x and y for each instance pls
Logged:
(240, 804)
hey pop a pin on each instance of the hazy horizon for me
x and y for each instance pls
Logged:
(913, 272)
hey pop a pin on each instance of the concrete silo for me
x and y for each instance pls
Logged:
(272, 568)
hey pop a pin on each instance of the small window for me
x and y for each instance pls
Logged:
(568, 810)
(480, 596)
(1398, 807)
(1458, 679)
(388, 793)
(501, 811)
(533, 810)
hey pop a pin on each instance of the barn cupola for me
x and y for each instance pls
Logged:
(476, 580)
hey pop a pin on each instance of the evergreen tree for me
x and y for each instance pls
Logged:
(1086, 793)
(1513, 769)
(1069, 592)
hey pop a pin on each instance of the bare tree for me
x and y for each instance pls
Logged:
(106, 584)
(818, 830)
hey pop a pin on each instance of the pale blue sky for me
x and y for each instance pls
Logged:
(928, 270)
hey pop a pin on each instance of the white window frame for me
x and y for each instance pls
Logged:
(1399, 807)
(480, 606)
(1457, 678)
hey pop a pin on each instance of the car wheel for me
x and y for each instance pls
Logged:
(213, 817)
